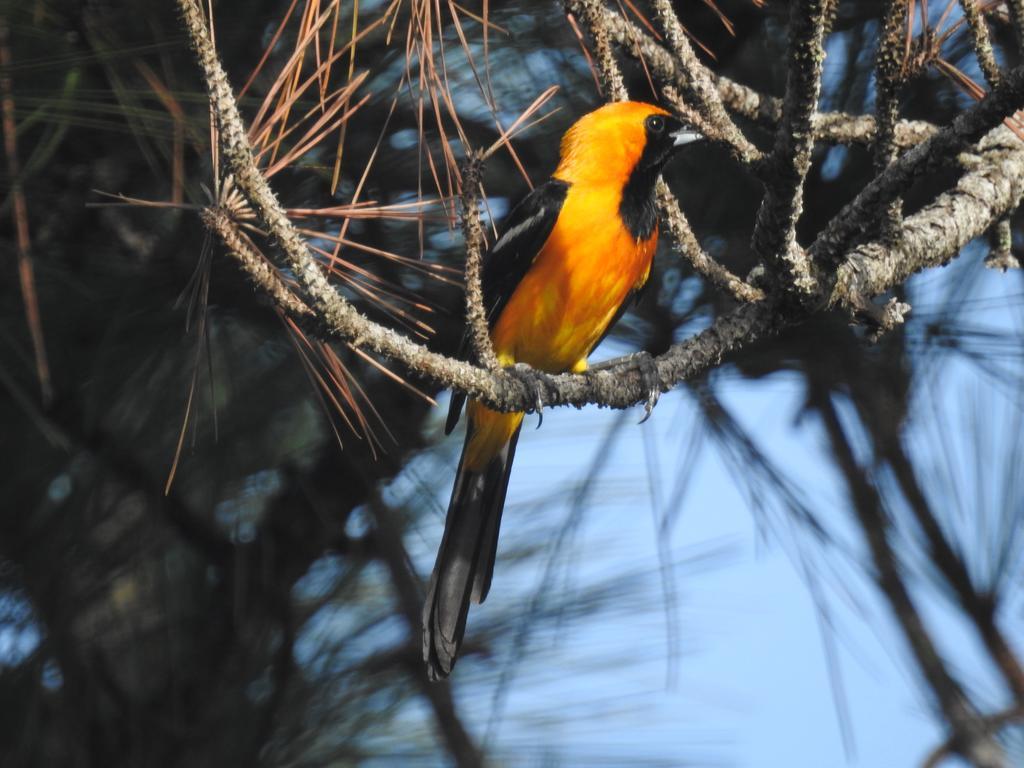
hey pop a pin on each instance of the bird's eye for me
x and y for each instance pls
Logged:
(655, 123)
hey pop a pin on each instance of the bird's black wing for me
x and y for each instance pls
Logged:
(526, 230)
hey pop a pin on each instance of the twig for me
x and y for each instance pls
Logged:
(841, 128)
(832, 127)
(968, 127)
(982, 41)
(262, 273)
(829, 127)
(698, 84)
(1000, 255)
(889, 79)
(476, 314)
(590, 12)
(699, 259)
(774, 236)
(926, 239)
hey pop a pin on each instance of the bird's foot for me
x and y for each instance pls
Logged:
(529, 377)
(652, 381)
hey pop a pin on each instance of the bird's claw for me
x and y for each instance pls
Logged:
(528, 376)
(652, 382)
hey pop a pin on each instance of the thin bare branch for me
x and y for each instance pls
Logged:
(692, 251)
(591, 13)
(476, 313)
(982, 41)
(698, 84)
(889, 79)
(263, 274)
(1001, 255)
(940, 147)
(829, 127)
(774, 236)
(937, 233)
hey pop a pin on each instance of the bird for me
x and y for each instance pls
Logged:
(573, 255)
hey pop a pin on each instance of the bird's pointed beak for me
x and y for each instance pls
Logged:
(685, 136)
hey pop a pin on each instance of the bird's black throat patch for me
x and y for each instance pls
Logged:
(637, 207)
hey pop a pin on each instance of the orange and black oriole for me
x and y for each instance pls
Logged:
(573, 253)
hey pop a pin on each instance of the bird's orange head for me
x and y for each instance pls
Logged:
(608, 144)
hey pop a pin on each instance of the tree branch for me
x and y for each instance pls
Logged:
(969, 127)
(833, 127)
(476, 313)
(261, 272)
(698, 83)
(609, 74)
(889, 79)
(700, 260)
(935, 235)
(774, 236)
(982, 41)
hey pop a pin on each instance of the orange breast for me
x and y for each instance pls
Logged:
(570, 295)
(565, 302)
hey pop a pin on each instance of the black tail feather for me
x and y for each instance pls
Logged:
(454, 412)
(465, 559)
